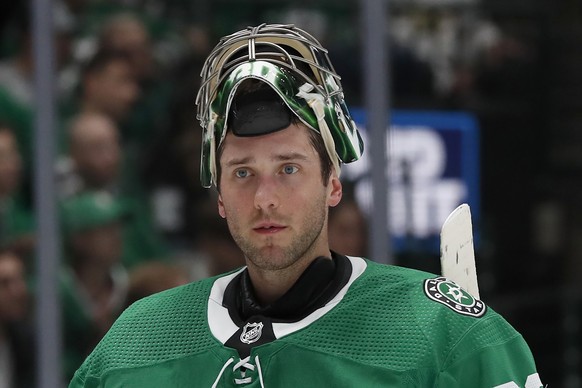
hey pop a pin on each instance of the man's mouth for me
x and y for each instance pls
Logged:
(268, 228)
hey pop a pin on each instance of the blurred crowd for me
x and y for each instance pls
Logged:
(133, 217)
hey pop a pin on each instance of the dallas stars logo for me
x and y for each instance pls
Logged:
(447, 292)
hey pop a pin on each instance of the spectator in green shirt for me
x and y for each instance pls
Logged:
(93, 279)
(95, 162)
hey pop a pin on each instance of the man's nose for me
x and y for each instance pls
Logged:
(267, 194)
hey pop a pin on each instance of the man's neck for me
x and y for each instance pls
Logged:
(270, 285)
(316, 286)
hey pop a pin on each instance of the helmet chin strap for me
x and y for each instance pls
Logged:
(317, 102)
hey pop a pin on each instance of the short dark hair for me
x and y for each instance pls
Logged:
(324, 159)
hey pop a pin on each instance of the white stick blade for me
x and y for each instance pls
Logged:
(457, 252)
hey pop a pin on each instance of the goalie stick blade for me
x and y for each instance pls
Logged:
(457, 252)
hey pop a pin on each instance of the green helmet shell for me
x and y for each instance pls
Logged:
(296, 67)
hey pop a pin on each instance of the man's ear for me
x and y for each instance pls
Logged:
(335, 191)
(221, 210)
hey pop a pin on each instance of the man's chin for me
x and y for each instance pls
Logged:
(271, 258)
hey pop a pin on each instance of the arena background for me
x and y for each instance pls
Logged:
(512, 66)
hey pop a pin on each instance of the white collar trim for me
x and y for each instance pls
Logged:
(223, 327)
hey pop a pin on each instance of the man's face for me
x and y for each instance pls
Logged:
(132, 38)
(114, 89)
(273, 197)
(13, 289)
(96, 151)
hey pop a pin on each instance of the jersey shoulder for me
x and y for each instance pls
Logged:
(423, 290)
(423, 294)
(398, 306)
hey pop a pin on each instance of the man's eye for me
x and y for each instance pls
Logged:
(241, 173)
(290, 169)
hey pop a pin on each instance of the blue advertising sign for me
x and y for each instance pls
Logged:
(433, 167)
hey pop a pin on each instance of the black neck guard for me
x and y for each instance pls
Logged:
(320, 282)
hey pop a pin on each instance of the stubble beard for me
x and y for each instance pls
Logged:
(270, 257)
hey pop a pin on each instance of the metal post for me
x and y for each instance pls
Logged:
(48, 328)
(374, 19)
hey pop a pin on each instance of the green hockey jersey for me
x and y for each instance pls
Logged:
(384, 326)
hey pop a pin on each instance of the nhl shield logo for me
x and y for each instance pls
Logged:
(450, 294)
(251, 332)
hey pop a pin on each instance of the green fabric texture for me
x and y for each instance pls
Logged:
(384, 332)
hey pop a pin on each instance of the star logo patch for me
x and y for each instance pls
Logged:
(449, 293)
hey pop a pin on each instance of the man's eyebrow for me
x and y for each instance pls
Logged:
(239, 161)
(279, 157)
(290, 156)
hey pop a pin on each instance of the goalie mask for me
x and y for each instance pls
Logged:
(301, 81)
